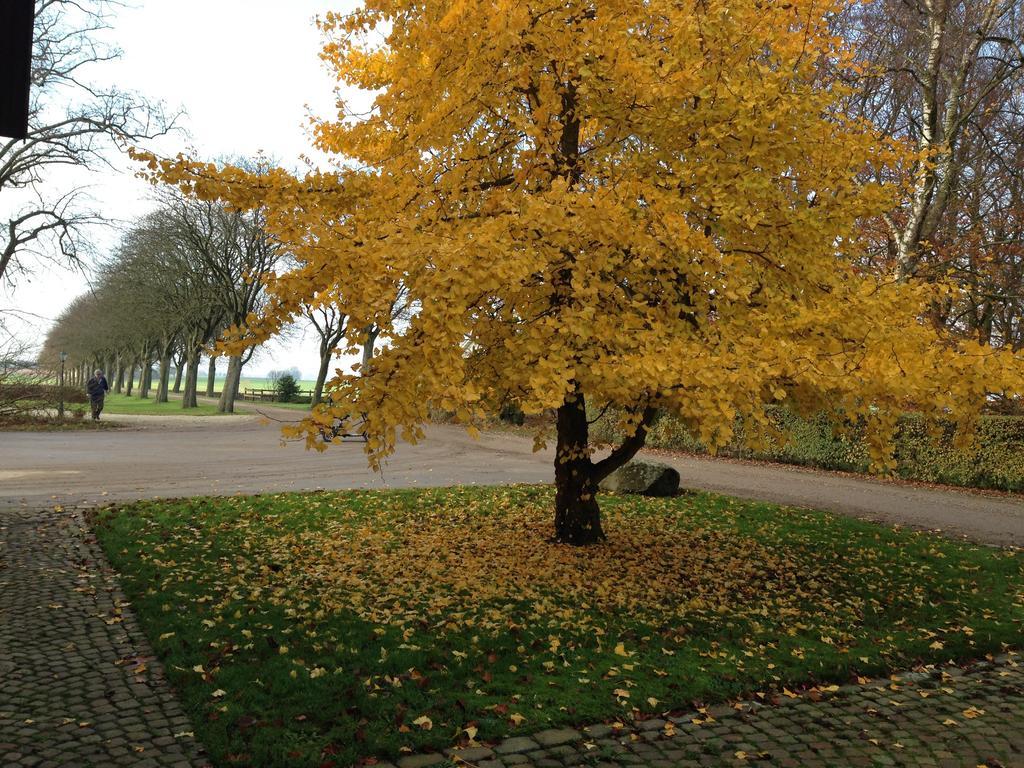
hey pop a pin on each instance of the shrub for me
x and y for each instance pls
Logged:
(511, 414)
(995, 459)
(287, 388)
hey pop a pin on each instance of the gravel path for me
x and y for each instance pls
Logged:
(166, 456)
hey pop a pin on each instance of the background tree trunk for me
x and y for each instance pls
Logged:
(321, 376)
(146, 377)
(188, 399)
(230, 388)
(211, 376)
(119, 380)
(179, 366)
(163, 384)
(130, 379)
(371, 338)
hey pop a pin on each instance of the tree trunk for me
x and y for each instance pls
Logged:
(230, 388)
(130, 379)
(211, 375)
(321, 376)
(145, 377)
(371, 338)
(179, 369)
(119, 381)
(188, 399)
(577, 514)
(163, 385)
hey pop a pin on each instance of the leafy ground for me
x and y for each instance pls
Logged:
(319, 629)
(121, 404)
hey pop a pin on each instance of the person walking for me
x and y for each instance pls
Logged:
(97, 388)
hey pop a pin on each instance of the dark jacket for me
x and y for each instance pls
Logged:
(97, 387)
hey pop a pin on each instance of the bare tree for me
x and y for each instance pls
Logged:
(938, 71)
(391, 321)
(72, 122)
(330, 323)
(232, 254)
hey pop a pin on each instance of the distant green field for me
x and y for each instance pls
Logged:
(256, 383)
(246, 382)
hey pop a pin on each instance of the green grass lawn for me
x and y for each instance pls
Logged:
(120, 404)
(319, 629)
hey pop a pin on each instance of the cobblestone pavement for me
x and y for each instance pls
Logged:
(939, 718)
(78, 686)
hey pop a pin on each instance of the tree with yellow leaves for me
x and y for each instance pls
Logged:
(602, 203)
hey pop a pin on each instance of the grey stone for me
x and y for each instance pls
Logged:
(555, 736)
(515, 744)
(470, 754)
(420, 761)
(644, 477)
(654, 724)
(563, 751)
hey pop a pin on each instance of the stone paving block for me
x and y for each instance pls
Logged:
(516, 744)
(556, 736)
(654, 724)
(420, 761)
(470, 754)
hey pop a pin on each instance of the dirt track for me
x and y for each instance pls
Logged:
(184, 456)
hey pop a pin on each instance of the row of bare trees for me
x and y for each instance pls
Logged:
(179, 277)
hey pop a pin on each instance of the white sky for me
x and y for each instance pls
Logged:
(247, 73)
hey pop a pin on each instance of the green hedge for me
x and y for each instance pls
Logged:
(996, 460)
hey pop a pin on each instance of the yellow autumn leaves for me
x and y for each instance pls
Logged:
(456, 563)
(651, 204)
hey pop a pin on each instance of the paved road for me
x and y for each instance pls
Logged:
(181, 456)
